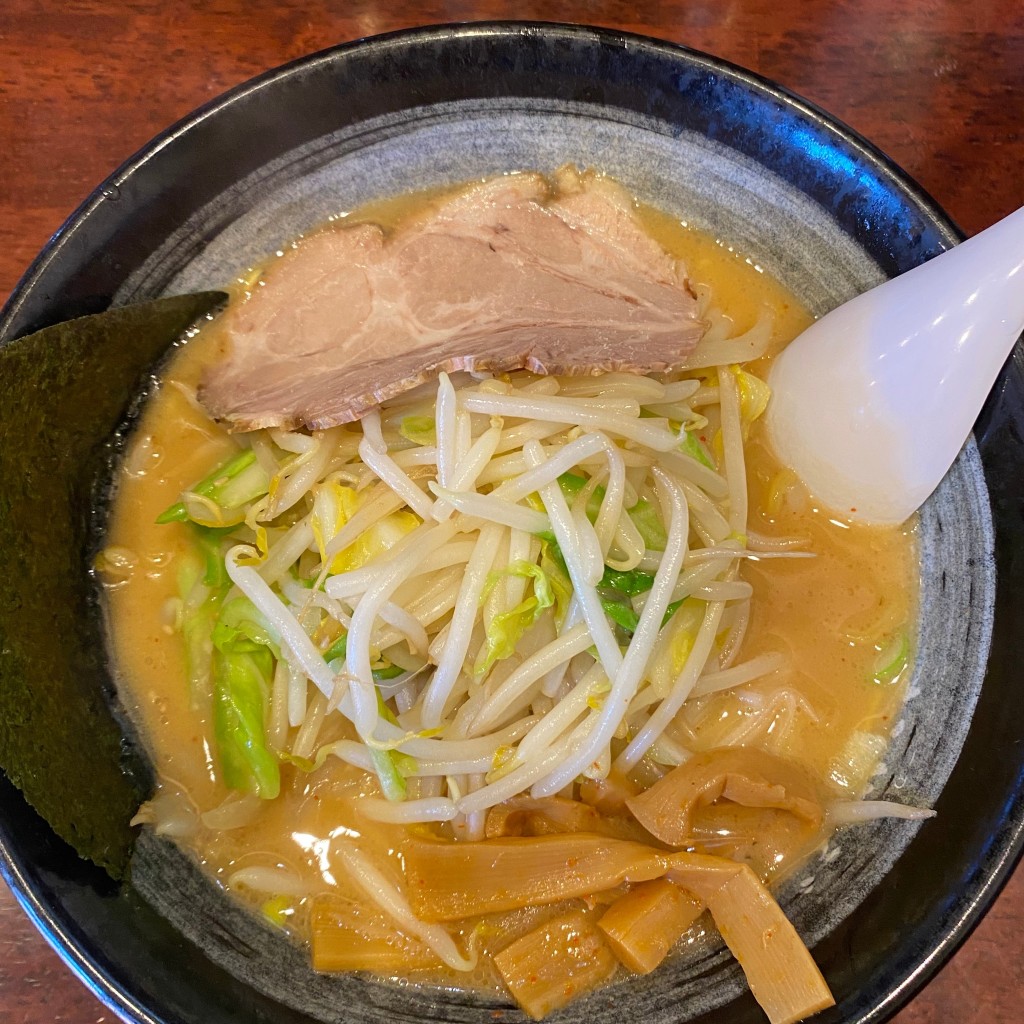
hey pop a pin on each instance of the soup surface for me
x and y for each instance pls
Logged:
(834, 626)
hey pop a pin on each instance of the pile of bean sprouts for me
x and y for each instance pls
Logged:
(473, 497)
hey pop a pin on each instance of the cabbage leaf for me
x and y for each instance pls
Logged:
(507, 628)
(243, 667)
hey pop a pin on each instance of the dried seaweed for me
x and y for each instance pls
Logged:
(64, 391)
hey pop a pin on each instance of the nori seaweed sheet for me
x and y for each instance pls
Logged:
(64, 392)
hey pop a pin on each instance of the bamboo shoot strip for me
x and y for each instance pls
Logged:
(348, 937)
(555, 964)
(448, 881)
(783, 977)
(387, 896)
(642, 926)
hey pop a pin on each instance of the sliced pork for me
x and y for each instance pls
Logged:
(499, 277)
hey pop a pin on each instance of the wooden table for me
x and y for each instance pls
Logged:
(937, 84)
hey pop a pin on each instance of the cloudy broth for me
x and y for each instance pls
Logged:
(844, 618)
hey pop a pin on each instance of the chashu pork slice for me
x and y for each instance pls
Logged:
(497, 278)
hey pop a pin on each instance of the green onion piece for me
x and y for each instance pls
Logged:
(173, 514)
(208, 541)
(388, 672)
(220, 488)
(248, 485)
(338, 649)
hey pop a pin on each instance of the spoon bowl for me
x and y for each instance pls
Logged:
(872, 403)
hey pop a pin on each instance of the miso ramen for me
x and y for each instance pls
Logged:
(519, 679)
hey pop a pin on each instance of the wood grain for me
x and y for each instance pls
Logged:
(936, 84)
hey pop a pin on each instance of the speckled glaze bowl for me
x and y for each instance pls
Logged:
(730, 152)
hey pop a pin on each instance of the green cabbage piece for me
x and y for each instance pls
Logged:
(339, 649)
(241, 683)
(553, 564)
(646, 518)
(418, 429)
(621, 614)
(507, 628)
(245, 649)
(691, 446)
(392, 766)
(571, 484)
(203, 584)
(632, 582)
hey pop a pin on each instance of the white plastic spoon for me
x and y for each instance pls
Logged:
(873, 402)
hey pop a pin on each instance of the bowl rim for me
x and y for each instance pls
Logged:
(440, 31)
(973, 901)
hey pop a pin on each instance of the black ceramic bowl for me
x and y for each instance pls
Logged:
(820, 207)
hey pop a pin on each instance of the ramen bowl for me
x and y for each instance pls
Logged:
(701, 140)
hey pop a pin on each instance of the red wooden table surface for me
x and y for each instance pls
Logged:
(937, 84)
